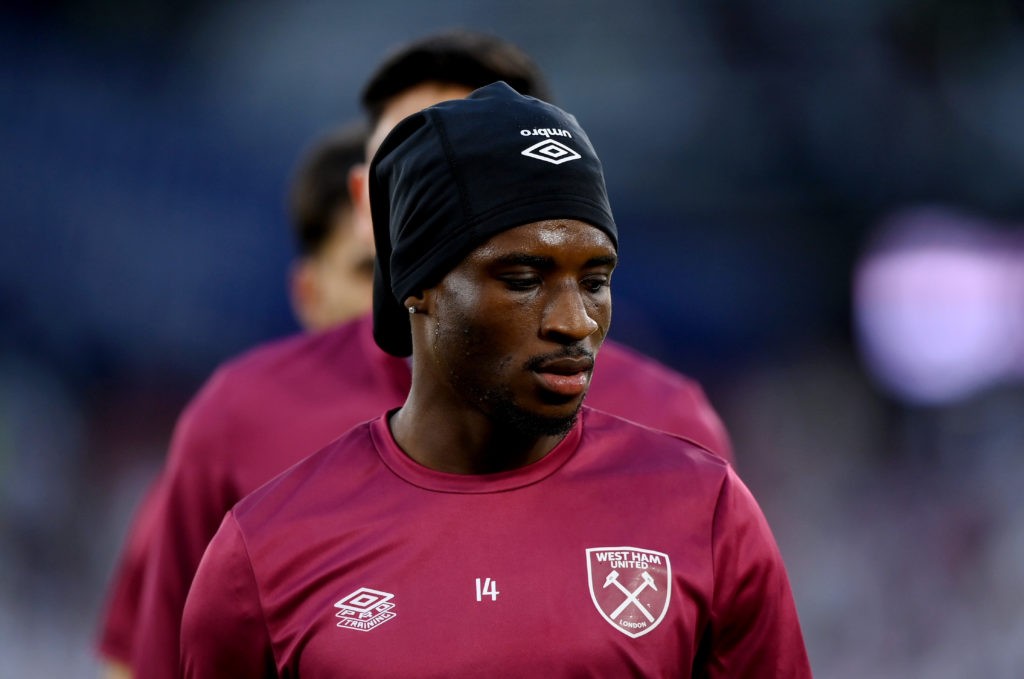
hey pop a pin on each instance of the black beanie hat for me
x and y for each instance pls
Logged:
(451, 176)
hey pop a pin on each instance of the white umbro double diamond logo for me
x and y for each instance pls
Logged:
(551, 151)
(365, 609)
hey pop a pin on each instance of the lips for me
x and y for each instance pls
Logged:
(565, 376)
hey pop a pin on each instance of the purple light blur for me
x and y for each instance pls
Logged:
(939, 306)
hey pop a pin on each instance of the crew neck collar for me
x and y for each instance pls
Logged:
(430, 479)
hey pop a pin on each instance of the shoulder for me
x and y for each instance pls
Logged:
(648, 446)
(247, 379)
(639, 388)
(327, 473)
(291, 354)
(651, 468)
(617, 360)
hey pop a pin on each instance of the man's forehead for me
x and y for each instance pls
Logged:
(412, 100)
(568, 235)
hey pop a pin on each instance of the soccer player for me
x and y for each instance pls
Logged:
(493, 525)
(331, 283)
(266, 410)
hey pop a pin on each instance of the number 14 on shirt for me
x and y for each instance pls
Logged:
(486, 587)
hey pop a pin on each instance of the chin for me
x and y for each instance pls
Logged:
(533, 423)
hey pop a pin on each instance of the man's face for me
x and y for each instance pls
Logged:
(513, 330)
(412, 100)
(335, 284)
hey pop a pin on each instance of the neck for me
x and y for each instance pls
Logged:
(464, 442)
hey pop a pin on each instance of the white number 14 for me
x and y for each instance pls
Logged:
(486, 587)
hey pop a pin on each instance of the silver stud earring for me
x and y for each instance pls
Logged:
(412, 310)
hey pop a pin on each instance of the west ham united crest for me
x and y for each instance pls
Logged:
(630, 587)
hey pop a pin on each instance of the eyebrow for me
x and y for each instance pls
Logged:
(538, 262)
(604, 260)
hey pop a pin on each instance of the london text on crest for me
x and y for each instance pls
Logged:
(630, 587)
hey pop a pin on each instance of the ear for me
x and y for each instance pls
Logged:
(359, 188)
(412, 301)
(305, 293)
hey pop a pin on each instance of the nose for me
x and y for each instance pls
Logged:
(566, 318)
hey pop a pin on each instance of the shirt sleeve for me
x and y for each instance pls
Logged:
(198, 490)
(223, 631)
(754, 629)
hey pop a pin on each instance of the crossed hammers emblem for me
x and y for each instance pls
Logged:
(631, 597)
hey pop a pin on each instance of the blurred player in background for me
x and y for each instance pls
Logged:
(266, 410)
(331, 283)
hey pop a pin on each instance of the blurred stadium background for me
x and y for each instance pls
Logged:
(821, 207)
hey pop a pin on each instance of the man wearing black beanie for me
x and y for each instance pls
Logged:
(261, 412)
(493, 525)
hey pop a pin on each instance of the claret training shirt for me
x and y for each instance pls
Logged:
(268, 409)
(624, 552)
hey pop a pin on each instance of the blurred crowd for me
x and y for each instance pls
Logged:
(821, 221)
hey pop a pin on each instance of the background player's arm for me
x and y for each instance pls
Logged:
(121, 615)
(754, 629)
(115, 670)
(223, 633)
(197, 493)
